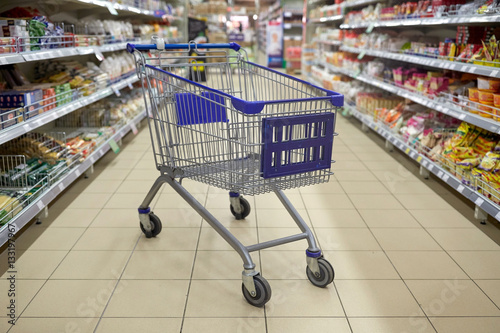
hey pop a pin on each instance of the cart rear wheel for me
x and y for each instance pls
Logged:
(326, 274)
(262, 292)
(245, 205)
(155, 226)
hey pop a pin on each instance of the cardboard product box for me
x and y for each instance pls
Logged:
(19, 98)
(9, 117)
(8, 22)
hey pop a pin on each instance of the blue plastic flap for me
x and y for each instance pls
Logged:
(193, 109)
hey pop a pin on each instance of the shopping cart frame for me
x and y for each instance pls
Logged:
(255, 288)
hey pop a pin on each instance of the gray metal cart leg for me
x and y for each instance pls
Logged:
(319, 270)
(249, 273)
(150, 223)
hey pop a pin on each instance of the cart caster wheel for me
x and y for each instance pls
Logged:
(326, 274)
(262, 289)
(155, 226)
(246, 209)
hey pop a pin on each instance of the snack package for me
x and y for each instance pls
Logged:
(484, 143)
(489, 161)
(469, 163)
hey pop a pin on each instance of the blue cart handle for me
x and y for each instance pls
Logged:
(186, 46)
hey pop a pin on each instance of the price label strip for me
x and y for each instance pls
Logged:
(370, 28)
(111, 8)
(134, 128)
(114, 146)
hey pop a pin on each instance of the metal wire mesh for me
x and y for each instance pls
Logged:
(199, 131)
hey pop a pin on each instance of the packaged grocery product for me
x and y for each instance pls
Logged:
(474, 94)
(496, 100)
(488, 84)
(469, 163)
(460, 135)
(485, 97)
(484, 143)
(489, 161)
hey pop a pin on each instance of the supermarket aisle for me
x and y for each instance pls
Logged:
(405, 259)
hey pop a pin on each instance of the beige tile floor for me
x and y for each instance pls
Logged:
(406, 259)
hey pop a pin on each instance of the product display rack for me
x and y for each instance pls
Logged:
(359, 3)
(21, 128)
(490, 125)
(443, 104)
(66, 46)
(429, 21)
(44, 199)
(427, 61)
(125, 8)
(480, 201)
(274, 12)
(16, 58)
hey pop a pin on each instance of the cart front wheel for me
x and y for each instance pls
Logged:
(245, 206)
(326, 274)
(155, 226)
(262, 292)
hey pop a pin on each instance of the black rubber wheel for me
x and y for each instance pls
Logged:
(326, 274)
(262, 290)
(246, 209)
(155, 226)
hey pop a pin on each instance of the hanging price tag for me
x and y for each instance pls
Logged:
(134, 128)
(98, 54)
(356, 73)
(114, 146)
(370, 28)
(130, 86)
(111, 8)
(116, 91)
(361, 55)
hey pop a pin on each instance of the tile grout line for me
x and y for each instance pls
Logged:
(385, 253)
(116, 284)
(260, 258)
(192, 268)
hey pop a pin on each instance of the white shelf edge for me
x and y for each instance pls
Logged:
(326, 19)
(484, 123)
(34, 208)
(431, 62)
(330, 42)
(358, 3)
(13, 132)
(16, 58)
(117, 6)
(487, 205)
(426, 21)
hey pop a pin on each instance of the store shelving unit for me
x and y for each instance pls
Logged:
(359, 3)
(442, 104)
(274, 12)
(69, 48)
(430, 62)
(429, 21)
(113, 6)
(21, 128)
(44, 199)
(438, 105)
(480, 201)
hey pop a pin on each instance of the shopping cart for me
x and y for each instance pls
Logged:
(249, 130)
